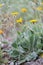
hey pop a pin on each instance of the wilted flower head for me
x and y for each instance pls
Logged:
(1, 32)
(41, 55)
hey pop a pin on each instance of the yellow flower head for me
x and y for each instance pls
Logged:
(39, 8)
(1, 5)
(33, 21)
(14, 13)
(23, 10)
(41, 55)
(1, 32)
(20, 20)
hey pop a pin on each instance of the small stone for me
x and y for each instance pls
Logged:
(11, 63)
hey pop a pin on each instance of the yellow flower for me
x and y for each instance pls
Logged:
(1, 5)
(1, 32)
(33, 21)
(14, 13)
(39, 8)
(41, 55)
(20, 20)
(23, 10)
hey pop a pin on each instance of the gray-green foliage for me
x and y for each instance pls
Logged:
(29, 42)
(2, 58)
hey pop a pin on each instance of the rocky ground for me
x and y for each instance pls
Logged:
(37, 62)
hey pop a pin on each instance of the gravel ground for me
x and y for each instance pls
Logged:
(37, 62)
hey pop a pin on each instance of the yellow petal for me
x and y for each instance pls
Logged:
(39, 8)
(1, 5)
(33, 21)
(20, 20)
(14, 13)
(23, 10)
